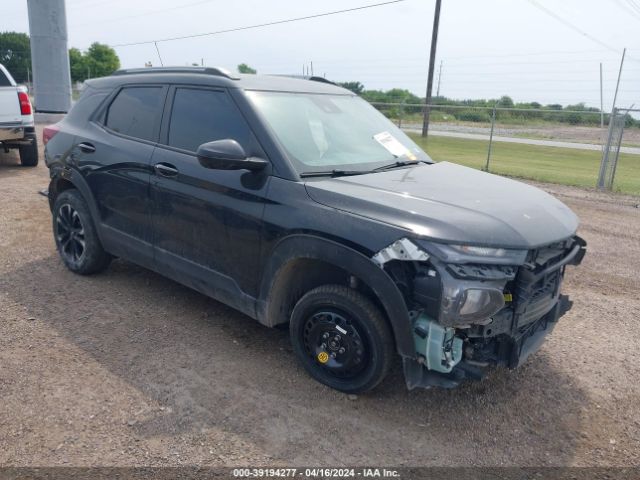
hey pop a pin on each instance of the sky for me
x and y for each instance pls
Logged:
(532, 50)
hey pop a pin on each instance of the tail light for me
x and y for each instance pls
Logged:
(25, 103)
(48, 133)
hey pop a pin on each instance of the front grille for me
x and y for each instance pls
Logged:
(537, 284)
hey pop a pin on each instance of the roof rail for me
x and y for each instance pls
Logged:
(217, 71)
(304, 77)
(321, 80)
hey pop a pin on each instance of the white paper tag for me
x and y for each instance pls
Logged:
(393, 145)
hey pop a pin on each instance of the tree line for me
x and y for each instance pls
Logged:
(480, 110)
(15, 54)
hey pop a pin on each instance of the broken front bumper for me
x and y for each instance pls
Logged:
(510, 336)
(509, 351)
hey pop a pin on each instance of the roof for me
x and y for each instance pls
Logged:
(220, 77)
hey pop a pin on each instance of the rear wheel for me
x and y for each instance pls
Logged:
(341, 338)
(29, 154)
(75, 235)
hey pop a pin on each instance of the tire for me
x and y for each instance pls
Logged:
(341, 338)
(75, 235)
(29, 154)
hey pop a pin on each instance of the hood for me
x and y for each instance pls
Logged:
(451, 203)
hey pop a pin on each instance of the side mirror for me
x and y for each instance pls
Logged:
(227, 155)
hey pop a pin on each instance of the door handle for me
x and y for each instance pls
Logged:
(166, 170)
(86, 147)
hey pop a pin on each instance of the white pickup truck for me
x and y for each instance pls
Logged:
(16, 120)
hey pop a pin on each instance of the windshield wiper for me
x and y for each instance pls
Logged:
(398, 163)
(344, 173)
(333, 173)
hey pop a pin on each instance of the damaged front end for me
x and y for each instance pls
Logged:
(475, 307)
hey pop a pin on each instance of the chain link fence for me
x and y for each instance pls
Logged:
(612, 148)
(560, 146)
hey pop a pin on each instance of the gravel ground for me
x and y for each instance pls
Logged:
(128, 368)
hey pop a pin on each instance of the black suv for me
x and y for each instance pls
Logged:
(295, 201)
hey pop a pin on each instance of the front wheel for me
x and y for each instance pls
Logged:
(341, 338)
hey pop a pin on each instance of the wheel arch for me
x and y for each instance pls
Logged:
(301, 262)
(70, 179)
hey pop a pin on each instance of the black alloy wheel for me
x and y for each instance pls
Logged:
(70, 234)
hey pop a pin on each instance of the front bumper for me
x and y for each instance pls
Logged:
(509, 337)
(507, 351)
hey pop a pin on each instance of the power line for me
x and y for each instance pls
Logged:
(566, 23)
(260, 25)
(634, 7)
(145, 14)
(628, 9)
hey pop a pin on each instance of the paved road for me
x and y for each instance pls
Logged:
(526, 141)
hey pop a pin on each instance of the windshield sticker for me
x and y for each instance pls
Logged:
(393, 145)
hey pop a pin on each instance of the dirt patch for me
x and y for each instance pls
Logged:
(129, 368)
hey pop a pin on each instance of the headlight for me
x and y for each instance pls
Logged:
(449, 253)
(478, 304)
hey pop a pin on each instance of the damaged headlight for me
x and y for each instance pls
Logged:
(477, 303)
(450, 253)
(456, 284)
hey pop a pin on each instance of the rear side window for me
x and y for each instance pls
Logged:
(4, 80)
(201, 116)
(135, 112)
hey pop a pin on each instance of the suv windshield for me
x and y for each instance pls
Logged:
(332, 132)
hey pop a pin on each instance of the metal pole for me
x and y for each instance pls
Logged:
(615, 97)
(601, 100)
(432, 61)
(493, 123)
(604, 164)
(439, 79)
(607, 148)
(158, 50)
(615, 162)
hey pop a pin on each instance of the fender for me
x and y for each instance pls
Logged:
(304, 246)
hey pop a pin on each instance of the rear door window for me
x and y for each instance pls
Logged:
(199, 116)
(4, 80)
(136, 112)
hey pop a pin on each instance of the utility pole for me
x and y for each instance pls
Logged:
(49, 55)
(432, 61)
(439, 79)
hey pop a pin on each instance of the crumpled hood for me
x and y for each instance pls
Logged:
(452, 203)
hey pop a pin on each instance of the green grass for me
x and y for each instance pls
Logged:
(546, 164)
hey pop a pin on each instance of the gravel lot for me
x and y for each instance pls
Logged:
(128, 368)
